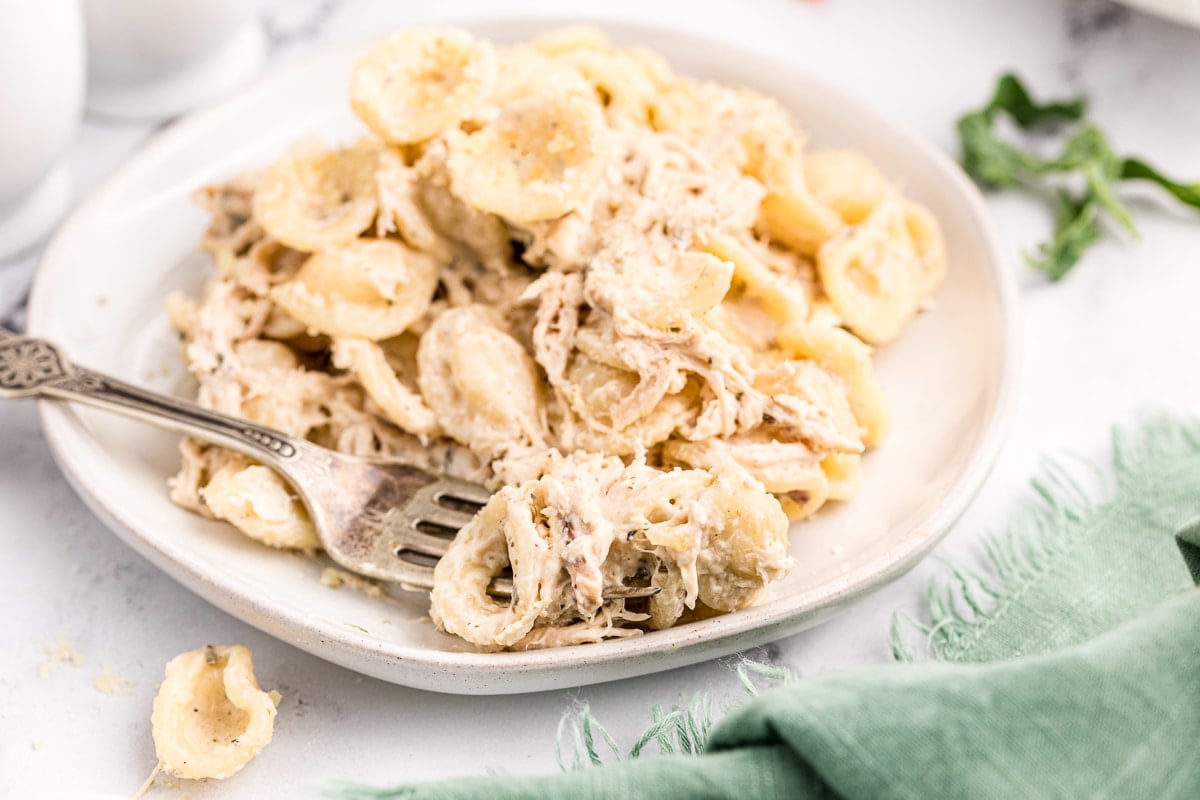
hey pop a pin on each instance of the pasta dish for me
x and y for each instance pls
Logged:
(638, 306)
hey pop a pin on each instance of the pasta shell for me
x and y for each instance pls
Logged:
(788, 470)
(480, 382)
(314, 198)
(261, 505)
(504, 532)
(841, 470)
(210, 716)
(369, 363)
(930, 245)
(748, 549)
(370, 289)
(793, 217)
(542, 157)
(845, 181)
(839, 352)
(783, 300)
(570, 38)
(870, 274)
(620, 83)
(523, 71)
(416, 83)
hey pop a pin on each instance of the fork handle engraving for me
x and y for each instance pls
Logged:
(34, 367)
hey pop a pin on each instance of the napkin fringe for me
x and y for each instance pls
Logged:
(583, 742)
(965, 600)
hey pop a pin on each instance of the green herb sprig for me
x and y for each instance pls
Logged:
(1086, 152)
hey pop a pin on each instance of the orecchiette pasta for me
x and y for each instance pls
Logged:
(482, 385)
(258, 503)
(315, 198)
(417, 83)
(210, 717)
(842, 354)
(401, 405)
(870, 273)
(371, 288)
(525, 70)
(930, 246)
(782, 299)
(573, 37)
(637, 305)
(788, 470)
(542, 157)
(619, 81)
(846, 182)
(798, 219)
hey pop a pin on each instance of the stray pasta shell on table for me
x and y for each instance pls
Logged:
(316, 197)
(370, 289)
(418, 82)
(870, 273)
(210, 716)
(543, 156)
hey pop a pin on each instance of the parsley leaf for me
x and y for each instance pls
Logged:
(1076, 228)
(1136, 169)
(994, 162)
(1089, 153)
(1011, 97)
(985, 157)
(1086, 154)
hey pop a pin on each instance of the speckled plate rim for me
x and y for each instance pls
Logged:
(504, 673)
(1184, 13)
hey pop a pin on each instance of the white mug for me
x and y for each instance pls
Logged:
(42, 62)
(156, 58)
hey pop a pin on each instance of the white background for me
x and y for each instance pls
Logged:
(1117, 338)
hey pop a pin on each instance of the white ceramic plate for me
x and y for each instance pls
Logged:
(1186, 12)
(100, 291)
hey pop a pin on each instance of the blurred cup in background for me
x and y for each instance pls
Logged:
(42, 61)
(149, 59)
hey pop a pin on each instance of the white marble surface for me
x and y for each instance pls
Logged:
(1115, 338)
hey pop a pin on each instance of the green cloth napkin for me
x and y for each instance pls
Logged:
(1091, 687)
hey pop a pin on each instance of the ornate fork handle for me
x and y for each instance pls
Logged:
(31, 367)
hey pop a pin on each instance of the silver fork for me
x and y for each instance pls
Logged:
(383, 519)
